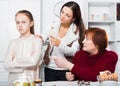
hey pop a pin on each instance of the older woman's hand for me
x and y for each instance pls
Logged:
(69, 76)
(60, 62)
(63, 63)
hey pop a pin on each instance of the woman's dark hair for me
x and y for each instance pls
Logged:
(29, 15)
(78, 19)
(99, 37)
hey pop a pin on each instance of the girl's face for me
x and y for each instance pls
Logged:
(66, 15)
(88, 45)
(23, 23)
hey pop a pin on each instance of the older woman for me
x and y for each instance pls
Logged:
(94, 57)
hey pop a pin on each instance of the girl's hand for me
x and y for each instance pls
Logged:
(69, 76)
(55, 41)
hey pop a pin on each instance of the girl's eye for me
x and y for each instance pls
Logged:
(17, 22)
(68, 16)
(23, 22)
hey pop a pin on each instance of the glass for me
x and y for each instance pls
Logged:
(99, 79)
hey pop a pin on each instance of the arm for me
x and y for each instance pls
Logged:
(9, 63)
(70, 51)
(63, 63)
(70, 39)
(35, 58)
(89, 73)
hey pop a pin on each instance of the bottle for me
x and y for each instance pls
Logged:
(105, 17)
(92, 17)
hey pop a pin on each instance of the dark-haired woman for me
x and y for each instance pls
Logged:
(65, 39)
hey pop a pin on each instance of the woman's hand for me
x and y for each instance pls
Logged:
(60, 62)
(55, 41)
(39, 36)
(69, 76)
(63, 63)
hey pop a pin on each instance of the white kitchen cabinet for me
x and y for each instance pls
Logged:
(103, 14)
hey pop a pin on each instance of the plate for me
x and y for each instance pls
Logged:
(60, 83)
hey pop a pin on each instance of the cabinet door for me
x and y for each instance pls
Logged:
(101, 11)
(118, 37)
(103, 15)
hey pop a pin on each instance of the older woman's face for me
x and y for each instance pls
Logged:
(88, 45)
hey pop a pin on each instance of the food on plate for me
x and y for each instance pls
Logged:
(107, 75)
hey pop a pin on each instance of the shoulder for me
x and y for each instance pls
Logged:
(13, 40)
(80, 52)
(111, 54)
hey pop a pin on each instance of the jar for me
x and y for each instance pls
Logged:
(23, 80)
(38, 82)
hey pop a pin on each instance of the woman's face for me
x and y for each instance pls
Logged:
(88, 45)
(66, 15)
(23, 23)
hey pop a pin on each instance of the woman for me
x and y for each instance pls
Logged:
(64, 39)
(93, 59)
(23, 54)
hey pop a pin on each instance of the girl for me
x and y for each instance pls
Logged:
(24, 53)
